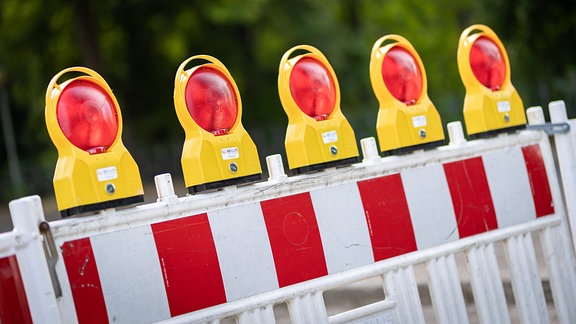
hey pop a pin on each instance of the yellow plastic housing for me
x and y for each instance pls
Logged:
(487, 112)
(314, 144)
(86, 182)
(210, 161)
(400, 127)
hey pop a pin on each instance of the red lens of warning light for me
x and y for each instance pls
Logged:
(402, 75)
(487, 63)
(211, 100)
(87, 116)
(312, 88)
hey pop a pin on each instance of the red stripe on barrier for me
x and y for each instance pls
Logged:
(388, 216)
(13, 303)
(294, 239)
(538, 180)
(189, 262)
(471, 196)
(84, 281)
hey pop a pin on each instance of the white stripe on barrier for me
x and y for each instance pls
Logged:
(244, 251)
(510, 187)
(343, 229)
(130, 275)
(430, 206)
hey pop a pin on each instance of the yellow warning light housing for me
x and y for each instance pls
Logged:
(217, 151)
(407, 119)
(491, 105)
(318, 135)
(94, 170)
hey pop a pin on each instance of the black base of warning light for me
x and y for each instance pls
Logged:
(495, 132)
(325, 165)
(410, 149)
(102, 205)
(224, 183)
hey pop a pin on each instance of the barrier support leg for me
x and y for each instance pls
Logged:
(26, 215)
(400, 287)
(566, 163)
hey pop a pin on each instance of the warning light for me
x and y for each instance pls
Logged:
(87, 116)
(491, 105)
(94, 170)
(487, 63)
(407, 119)
(217, 151)
(211, 100)
(318, 135)
(316, 101)
(402, 75)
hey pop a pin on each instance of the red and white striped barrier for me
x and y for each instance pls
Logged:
(157, 271)
(239, 251)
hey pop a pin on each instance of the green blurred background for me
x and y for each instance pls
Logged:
(137, 45)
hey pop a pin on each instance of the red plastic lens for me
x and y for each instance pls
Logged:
(211, 100)
(487, 63)
(402, 75)
(87, 116)
(312, 88)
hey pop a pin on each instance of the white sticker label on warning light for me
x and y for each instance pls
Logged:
(105, 174)
(503, 106)
(419, 121)
(230, 153)
(329, 137)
